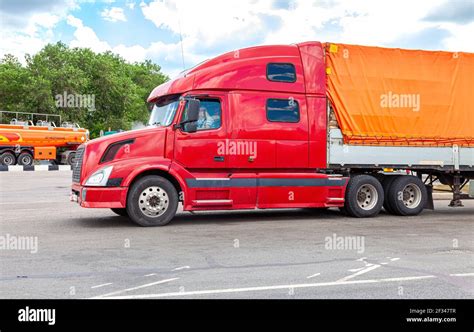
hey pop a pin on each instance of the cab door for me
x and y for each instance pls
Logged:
(200, 150)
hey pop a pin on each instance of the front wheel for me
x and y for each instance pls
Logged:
(152, 201)
(364, 197)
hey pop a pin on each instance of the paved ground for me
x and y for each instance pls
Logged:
(264, 254)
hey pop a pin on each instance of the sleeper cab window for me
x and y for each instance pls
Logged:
(283, 110)
(281, 72)
(209, 114)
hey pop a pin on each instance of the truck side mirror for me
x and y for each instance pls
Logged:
(193, 110)
(189, 124)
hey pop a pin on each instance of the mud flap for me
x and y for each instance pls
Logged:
(429, 201)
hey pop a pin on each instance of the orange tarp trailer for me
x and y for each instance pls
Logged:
(384, 96)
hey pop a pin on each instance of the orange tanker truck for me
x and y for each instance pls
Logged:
(22, 142)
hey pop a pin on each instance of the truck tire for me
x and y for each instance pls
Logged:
(120, 212)
(70, 158)
(386, 184)
(152, 201)
(7, 159)
(364, 197)
(25, 159)
(407, 196)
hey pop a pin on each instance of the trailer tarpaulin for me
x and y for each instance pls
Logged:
(385, 96)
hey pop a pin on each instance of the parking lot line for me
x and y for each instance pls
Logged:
(135, 288)
(266, 288)
(368, 269)
(277, 287)
(103, 285)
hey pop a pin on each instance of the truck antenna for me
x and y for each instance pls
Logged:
(181, 42)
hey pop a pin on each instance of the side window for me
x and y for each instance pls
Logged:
(283, 110)
(209, 115)
(281, 72)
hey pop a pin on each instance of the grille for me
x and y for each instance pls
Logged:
(77, 165)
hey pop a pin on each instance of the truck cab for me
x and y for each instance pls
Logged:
(244, 130)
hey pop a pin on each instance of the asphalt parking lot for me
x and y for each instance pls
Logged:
(84, 253)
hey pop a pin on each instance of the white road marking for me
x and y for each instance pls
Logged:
(395, 259)
(370, 268)
(462, 275)
(361, 259)
(265, 288)
(384, 263)
(181, 268)
(134, 288)
(355, 270)
(103, 285)
(149, 275)
(313, 275)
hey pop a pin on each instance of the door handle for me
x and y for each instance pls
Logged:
(219, 158)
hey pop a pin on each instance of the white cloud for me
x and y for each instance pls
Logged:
(113, 14)
(26, 29)
(85, 36)
(130, 4)
(461, 37)
(210, 27)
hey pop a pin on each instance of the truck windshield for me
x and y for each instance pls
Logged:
(163, 112)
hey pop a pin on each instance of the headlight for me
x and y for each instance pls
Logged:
(99, 178)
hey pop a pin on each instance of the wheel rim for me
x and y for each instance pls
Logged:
(411, 196)
(8, 160)
(26, 160)
(153, 202)
(367, 197)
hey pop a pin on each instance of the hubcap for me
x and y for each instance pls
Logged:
(26, 160)
(8, 160)
(153, 201)
(367, 197)
(411, 196)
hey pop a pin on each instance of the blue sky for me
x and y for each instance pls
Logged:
(140, 30)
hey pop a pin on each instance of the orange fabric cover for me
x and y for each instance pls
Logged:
(385, 96)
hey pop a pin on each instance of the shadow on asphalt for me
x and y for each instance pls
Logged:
(222, 218)
(217, 217)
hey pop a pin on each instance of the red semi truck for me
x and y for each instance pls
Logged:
(296, 126)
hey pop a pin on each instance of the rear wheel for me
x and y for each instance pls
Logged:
(364, 197)
(407, 196)
(25, 159)
(152, 201)
(7, 159)
(386, 184)
(120, 212)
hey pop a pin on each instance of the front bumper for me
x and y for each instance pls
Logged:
(99, 197)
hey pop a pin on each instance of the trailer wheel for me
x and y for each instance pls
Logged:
(7, 159)
(386, 184)
(25, 159)
(407, 196)
(152, 201)
(120, 212)
(364, 197)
